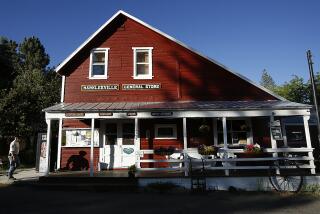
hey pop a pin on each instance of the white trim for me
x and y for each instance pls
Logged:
(137, 142)
(91, 147)
(168, 37)
(156, 129)
(189, 114)
(59, 144)
(106, 62)
(139, 49)
(48, 121)
(63, 84)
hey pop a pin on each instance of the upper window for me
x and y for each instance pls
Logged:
(165, 131)
(142, 63)
(99, 63)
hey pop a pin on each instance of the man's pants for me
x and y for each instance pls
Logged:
(14, 163)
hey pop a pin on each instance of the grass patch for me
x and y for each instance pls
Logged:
(313, 189)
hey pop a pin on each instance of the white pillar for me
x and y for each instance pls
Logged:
(185, 145)
(59, 145)
(273, 141)
(91, 147)
(225, 142)
(48, 146)
(249, 133)
(185, 138)
(308, 140)
(225, 134)
(284, 132)
(137, 141)
(215, 131)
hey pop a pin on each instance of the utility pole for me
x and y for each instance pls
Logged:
(314, 89)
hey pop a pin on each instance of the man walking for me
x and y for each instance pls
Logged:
(13, 157)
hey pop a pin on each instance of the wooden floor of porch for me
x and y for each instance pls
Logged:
(167, 174)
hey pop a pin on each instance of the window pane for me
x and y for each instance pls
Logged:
(143, 57)
(238, 125)
(98, 57)
(142, 69)
(97, 70)
(128, 134)
(80, 138)
(165, 132)
(111, 134)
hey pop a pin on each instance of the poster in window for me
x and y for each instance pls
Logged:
(276, 133)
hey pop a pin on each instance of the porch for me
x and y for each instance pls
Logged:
(229, 160)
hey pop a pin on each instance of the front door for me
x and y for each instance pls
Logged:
(118, 150)
(128, 150)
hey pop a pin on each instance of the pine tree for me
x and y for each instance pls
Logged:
(35, 87)
(267, 81)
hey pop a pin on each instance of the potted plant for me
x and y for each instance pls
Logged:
(207, 150)
(132, 171)
(252, 151)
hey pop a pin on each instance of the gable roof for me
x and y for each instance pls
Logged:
(120, 12)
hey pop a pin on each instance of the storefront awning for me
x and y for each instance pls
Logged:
(176, 106)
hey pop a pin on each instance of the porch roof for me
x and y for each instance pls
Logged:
(176, 106)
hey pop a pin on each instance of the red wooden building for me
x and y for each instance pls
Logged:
(131, 89)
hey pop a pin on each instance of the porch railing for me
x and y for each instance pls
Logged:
(228, 160)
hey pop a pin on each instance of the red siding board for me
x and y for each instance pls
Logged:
(72, 154)
(200, 78)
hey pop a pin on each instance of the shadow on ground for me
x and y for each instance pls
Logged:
(41, 200)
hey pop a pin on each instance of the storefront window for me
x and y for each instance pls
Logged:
(79, 138)
(236, 132)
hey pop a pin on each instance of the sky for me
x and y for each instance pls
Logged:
(247, 36)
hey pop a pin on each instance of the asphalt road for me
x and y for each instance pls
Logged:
(42, 200)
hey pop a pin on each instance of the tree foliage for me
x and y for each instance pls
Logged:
(267, 81)
(28, 87)
(296, 90)
(8, 62)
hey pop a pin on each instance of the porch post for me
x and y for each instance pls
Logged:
(215, 131)
(225, 143)
(48, 147)
(284, 132)
(273, 141)
(308, 140)
(185, 145)
(59, 145)
(225, 134)
(137, 141)
(91, 147)
(185, 139)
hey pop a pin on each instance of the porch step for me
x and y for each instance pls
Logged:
(90, 183)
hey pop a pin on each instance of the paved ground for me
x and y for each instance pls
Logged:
(15, 199)
(20, 174)
(36, 199)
